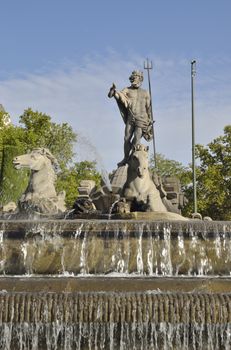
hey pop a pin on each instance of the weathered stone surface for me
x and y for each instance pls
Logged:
(135, 108)
(119, 178)
(150, 216)
(9, 207)
(80, 284)
(40, 195)
(85, 188)
(139, 188)
(132, 179)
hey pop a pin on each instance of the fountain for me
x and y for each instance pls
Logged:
(138, 276)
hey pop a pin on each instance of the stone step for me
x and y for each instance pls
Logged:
(119, 284)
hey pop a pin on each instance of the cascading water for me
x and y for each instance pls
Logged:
(80, 284)
(115, 321)
(107, 247)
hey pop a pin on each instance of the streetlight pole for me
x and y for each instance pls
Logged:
(193, 74)
(148, 66)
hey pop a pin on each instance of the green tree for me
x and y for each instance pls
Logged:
(69, 179)
(169, 167)
(12, 183)
(40, 131)
(36, 130)
(214, 178)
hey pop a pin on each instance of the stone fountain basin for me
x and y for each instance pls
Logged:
(104, 247)
(85, 284)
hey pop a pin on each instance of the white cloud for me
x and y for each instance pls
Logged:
(77, 94)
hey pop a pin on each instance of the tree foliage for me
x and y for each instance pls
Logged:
(69, 179)
(40, 131)
(214, 178)
(37, 130)
(169, 167)
(13, 182)
(12, 143)
(213, 174)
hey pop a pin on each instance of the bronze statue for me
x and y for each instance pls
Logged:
(135, 108)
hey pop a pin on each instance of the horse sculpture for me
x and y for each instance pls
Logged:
(40, 195)
(139, 188)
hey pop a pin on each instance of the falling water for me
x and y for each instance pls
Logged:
(115, 321)
(139, 258)
(112, 208)
(83, 256)
(147, 320)
(3, 254)
(144, 248)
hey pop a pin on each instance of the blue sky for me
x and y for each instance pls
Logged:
(60, 57)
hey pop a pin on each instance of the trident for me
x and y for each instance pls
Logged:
(148, 66)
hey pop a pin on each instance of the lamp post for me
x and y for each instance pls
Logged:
(193, 74)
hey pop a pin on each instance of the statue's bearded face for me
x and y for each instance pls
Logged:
(135, 80)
